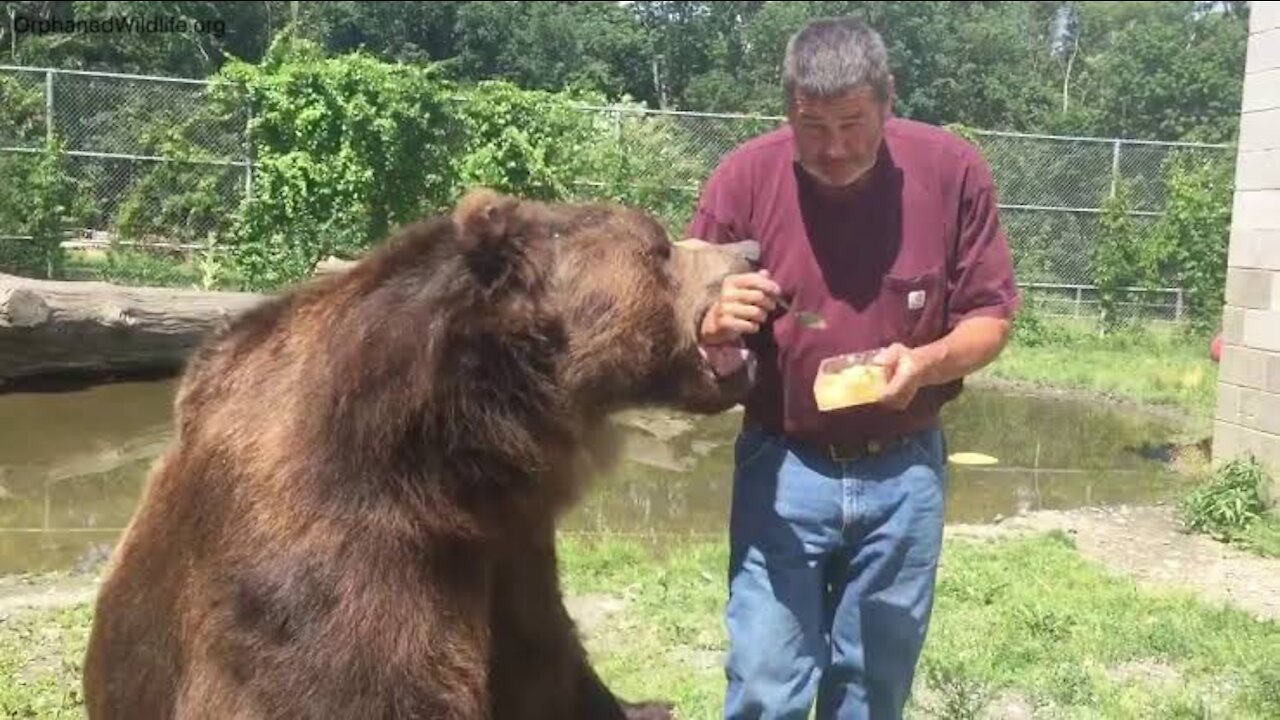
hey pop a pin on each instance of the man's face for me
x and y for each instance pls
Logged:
(837, 139)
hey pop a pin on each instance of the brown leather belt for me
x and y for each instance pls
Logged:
(855, 451)
(850, 451)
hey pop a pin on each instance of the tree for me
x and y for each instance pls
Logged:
(202, 36)
(1168, 71)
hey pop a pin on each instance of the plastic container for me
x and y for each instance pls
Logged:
(848, 380)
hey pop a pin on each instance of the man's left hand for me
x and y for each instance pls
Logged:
(970, 346)
(907, 370)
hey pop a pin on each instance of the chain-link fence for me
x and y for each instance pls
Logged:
(163, 161)
(139, 151)
(1052, 191)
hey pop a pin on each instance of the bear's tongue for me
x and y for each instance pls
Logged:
(725, 360)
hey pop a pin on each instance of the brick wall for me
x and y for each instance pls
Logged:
(1247, 419)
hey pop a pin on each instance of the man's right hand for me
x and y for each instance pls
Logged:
(745, 302)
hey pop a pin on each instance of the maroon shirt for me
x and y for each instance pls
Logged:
(903, 258)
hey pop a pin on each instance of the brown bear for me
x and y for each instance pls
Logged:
(356, 517)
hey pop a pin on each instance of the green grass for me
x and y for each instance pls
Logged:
(1028, 619)
(125, 266)
(1164, 367)
(40, 660)
(1262, 537)
(1035, 619)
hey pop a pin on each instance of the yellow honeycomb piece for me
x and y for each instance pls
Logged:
(854, 385)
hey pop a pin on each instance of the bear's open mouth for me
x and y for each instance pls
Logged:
(726, 361)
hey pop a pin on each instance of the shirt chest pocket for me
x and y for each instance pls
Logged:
(912, 308)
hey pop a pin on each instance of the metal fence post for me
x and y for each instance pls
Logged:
(1115, 166)
(248, 154)
(48, 105)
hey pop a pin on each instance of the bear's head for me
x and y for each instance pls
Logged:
(627, 300)
(469, 352)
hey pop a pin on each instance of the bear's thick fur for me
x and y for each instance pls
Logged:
(356, 518)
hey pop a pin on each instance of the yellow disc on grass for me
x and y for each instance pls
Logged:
(972, 458)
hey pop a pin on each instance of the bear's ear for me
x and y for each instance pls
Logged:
(483, 216)
(488, 232)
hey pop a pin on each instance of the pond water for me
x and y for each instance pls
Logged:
(72, 464)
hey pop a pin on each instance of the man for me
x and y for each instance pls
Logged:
(887, 231)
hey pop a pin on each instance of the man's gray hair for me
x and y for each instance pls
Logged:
(831, 56)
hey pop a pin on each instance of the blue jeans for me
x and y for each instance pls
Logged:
(831, 577)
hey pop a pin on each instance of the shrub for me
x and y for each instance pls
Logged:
(179, 201)
(530, 142)
(1116, 254)
(345, 148)
(1189, 244)
(1228, 503)
(39, 202)
(36, 193)
(1031, 329)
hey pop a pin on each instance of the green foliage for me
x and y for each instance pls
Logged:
(39, 200)
(1116, 255)
(213, 269)
(348, 145)
(134, 267)
(1188, 247)
(345, 149)
(1184, 247)
(36, 192)
(528, 141)
(1158, 70)
(1228, 502)
(965, 132)
(1231, 507)
(1032, 329)
(653, 161)
(590, 46)
(1150, 70)
(21, 110)
(181, 200)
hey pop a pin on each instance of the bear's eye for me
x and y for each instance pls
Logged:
(661, 250)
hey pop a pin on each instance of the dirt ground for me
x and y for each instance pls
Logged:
(31, 592)
(1145, 543)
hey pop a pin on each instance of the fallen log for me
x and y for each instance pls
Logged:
(52, 327)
